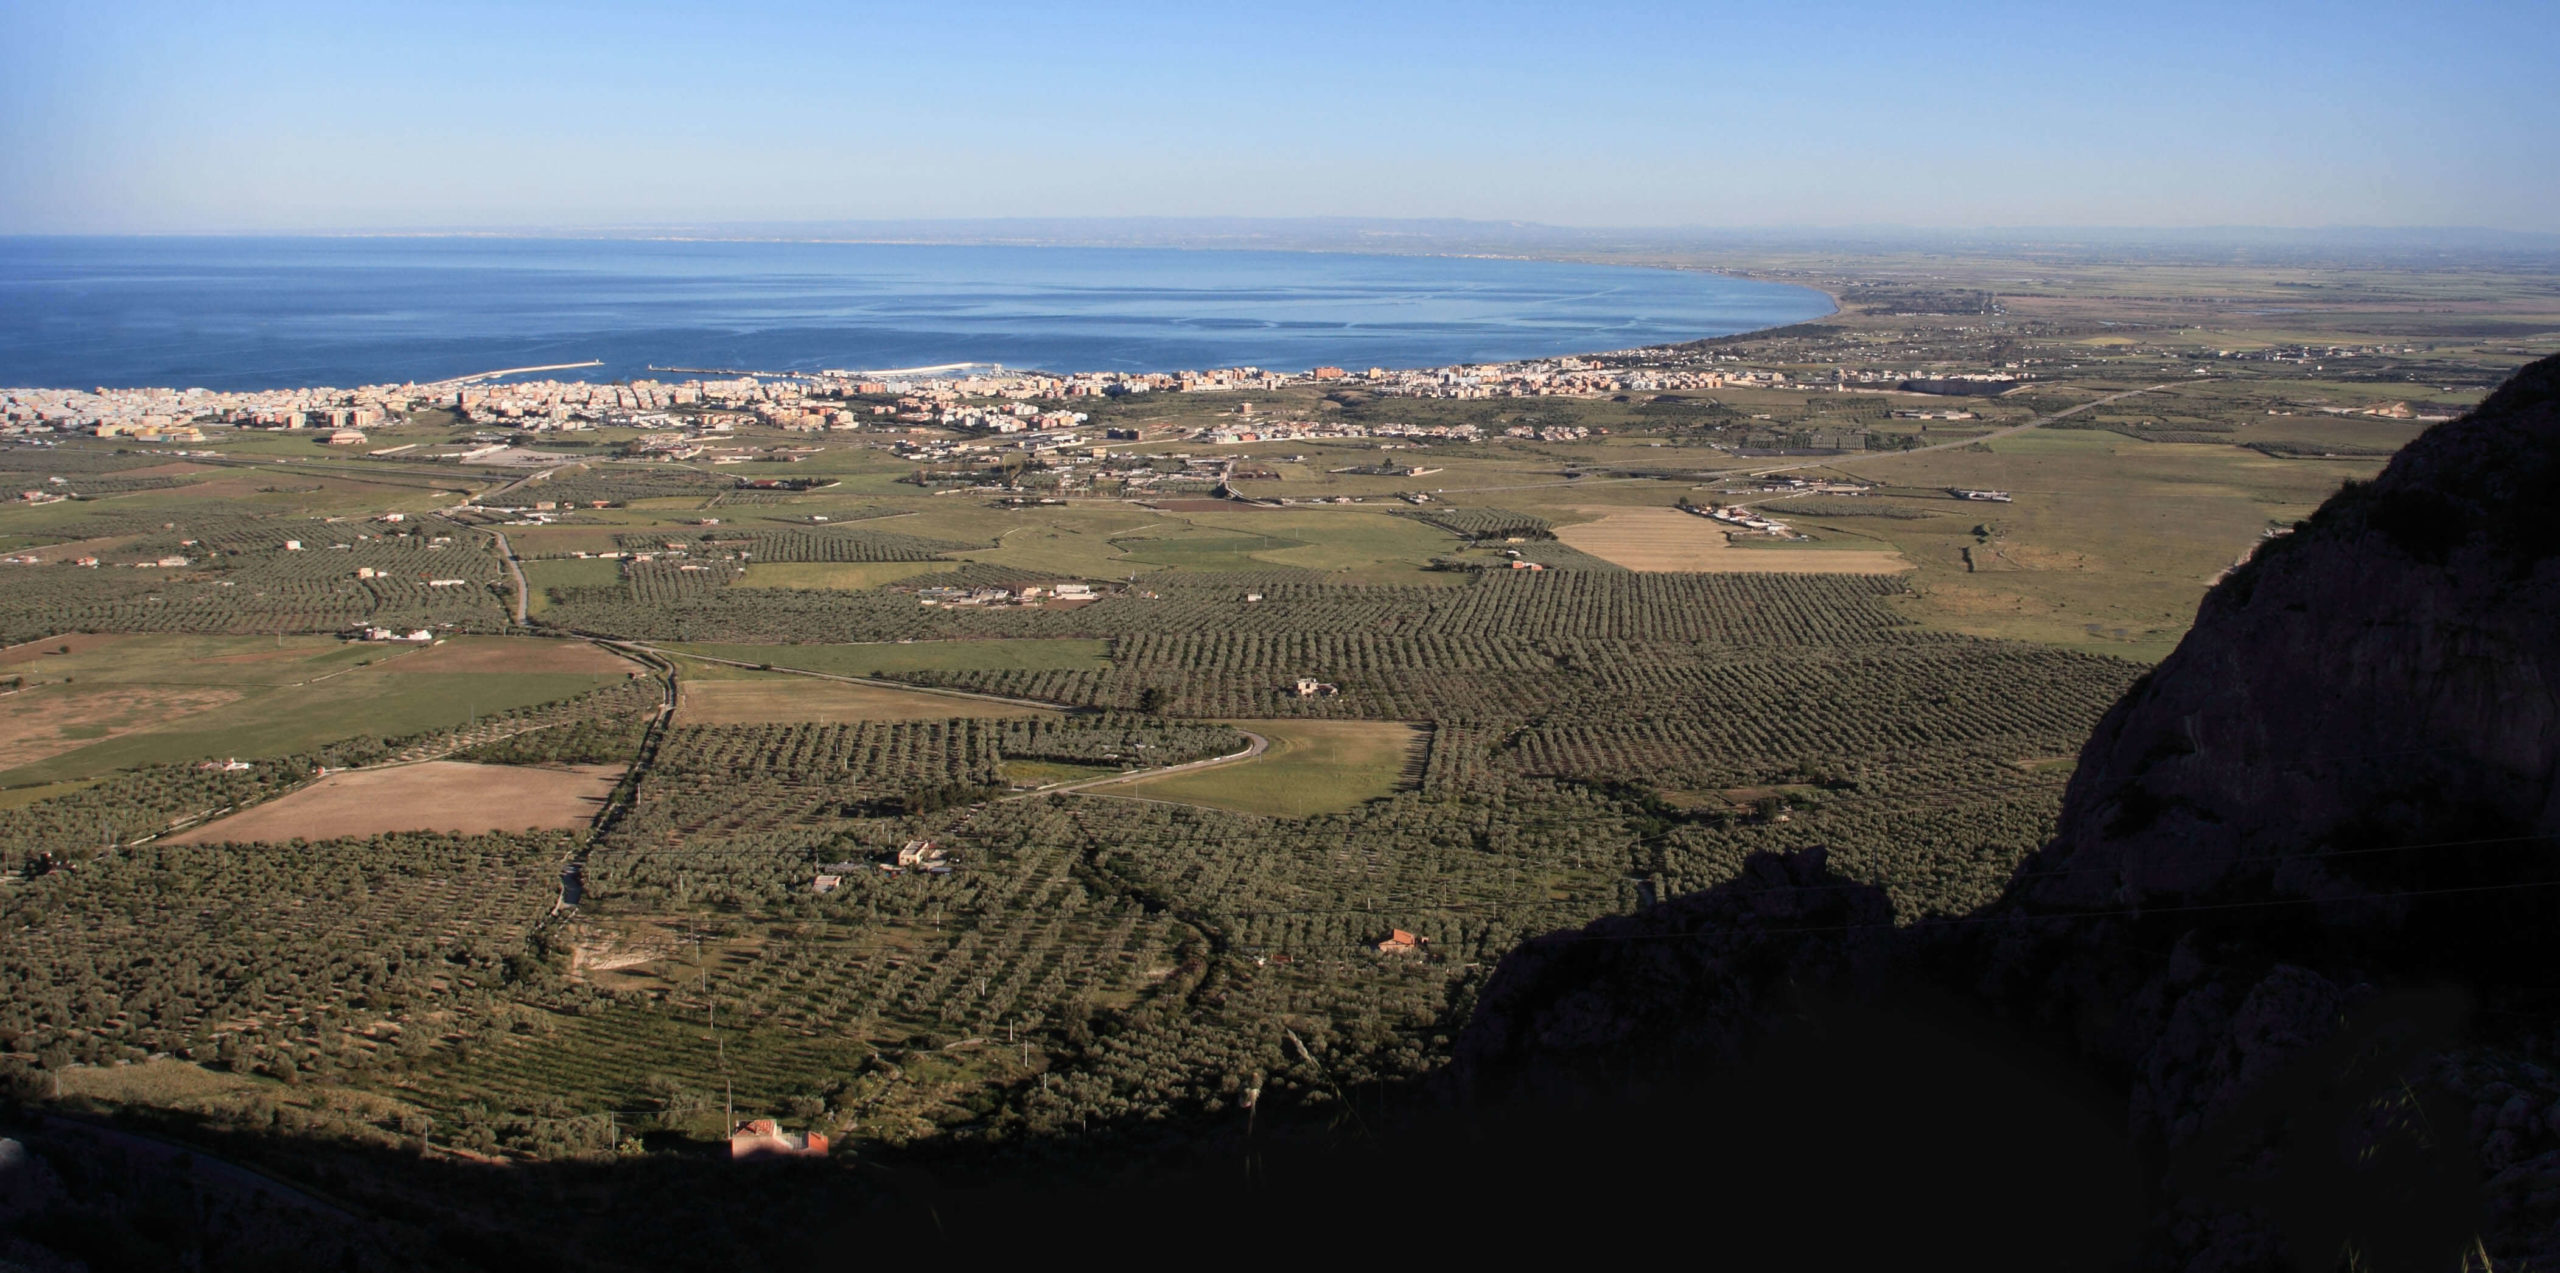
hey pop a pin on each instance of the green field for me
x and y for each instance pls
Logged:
(542, 576)
(1047, 773)
(1313, 767)
(2105, 532)
(1077, 543)
(118, 702)
(545, 541)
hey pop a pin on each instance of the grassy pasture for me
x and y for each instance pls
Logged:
(2105, 532)
(1073, 542)
(143, 700)
(544, 541)
(1210, 550)
(1366, 546)
(542, 576)
(1313, 767)
(1043, 773)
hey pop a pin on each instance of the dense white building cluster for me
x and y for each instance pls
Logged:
(830, 400)
(1034, 408)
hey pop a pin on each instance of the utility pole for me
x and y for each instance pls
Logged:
(720, 1048)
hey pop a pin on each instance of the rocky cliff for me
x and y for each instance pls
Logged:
(2299, 921)
(2387, 674)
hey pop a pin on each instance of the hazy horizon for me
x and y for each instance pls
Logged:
(1707, 246)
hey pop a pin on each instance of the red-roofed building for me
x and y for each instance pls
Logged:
(763, 1138)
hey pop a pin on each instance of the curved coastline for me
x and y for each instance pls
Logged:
(248, 314)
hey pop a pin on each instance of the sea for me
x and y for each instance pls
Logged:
(254, 313)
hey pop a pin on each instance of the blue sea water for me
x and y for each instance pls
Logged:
(249, 313)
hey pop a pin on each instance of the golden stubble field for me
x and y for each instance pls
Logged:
(1668, 540)
(438, 795)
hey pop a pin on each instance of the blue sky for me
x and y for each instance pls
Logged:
(246, 115)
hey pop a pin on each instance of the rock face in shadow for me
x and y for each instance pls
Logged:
(2388, 674)
(2301, 916)
(1582, 1013)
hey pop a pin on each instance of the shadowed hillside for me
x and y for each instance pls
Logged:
(2297, 923)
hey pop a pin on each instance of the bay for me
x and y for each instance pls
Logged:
(251, 313)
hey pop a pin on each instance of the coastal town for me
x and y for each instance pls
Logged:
(991, 401)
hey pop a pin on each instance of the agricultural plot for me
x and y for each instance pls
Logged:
(44, 722)
(856, 543)
(1311, 767)
(1472, 605)
(2108, 541)
(896, 658)
(1359, 546)
(749, 699)
(226, 568)
(625, 484)
(1060, 543)
(1667, 539)
(833, 574)
(1199, 549)
(438, 795)
(122, 701)
(545, 580)
(561, 542)
(80, 815)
